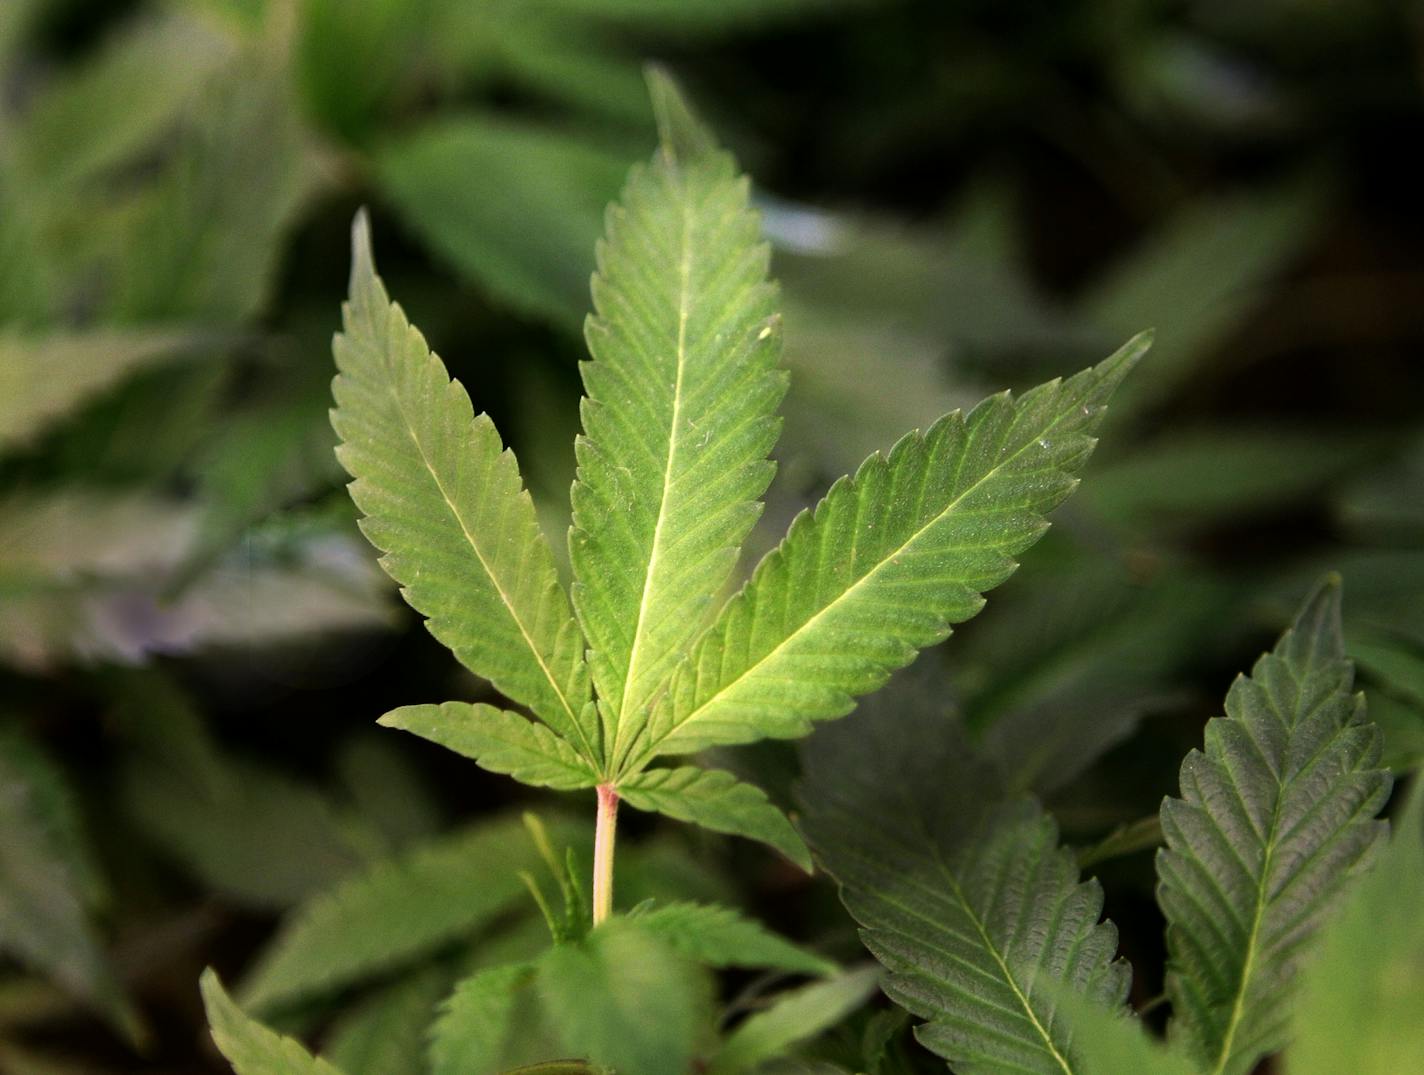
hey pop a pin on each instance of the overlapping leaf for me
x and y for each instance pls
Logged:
(888, 561)
(966, 897)
(442, 498)
(1275, 814)
(679, 416)
(250, 1047)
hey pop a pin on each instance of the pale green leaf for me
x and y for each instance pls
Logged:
(1275, 814)
(720, 937)
(679, 414)
(398, 911)
(250, 1047)
(498, 740)
(966, 897)
(1363, 989)
(886, 563)
(623, 998)
(715, 799)
(43, 378)
(794, 1017)
(443, 500)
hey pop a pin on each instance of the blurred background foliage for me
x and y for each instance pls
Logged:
(195, 640)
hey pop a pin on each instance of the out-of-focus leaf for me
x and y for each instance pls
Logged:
(43, 378)
(42, 918)
(1193, 478)
(389, 790)
(398, 911)
(1197, 278)
(621, 997)
(1114, 1042)
(516, 208)
(56, 806)
(1386, 506)
(322, 584)
(206, 239)
(792, 1018)
(720, 937)
(26, 285)
(72, 534)
(1363, 989)
(488, 1023)
(120, 102)
(385, 1033)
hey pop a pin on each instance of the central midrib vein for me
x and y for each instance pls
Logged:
(683, 301)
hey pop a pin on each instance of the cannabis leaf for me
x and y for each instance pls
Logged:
(679, 417)
(886, 563)
(1276, 814)
(965, 896)
(250, 1047)
(679, 420)
(396, 911)
(443, 500)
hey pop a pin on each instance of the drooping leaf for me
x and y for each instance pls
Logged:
(250, 1047)
(1363, 989)
(793, 1017)
(679, 414)
(889, 560)
(42, 378)
(964, 895)
(1276, 813)
(500, 741)
(442, 498)
(623, 998)
(716, 800)
(720, 937)
(42, 915)
(397, 911)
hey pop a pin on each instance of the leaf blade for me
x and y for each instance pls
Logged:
(1275, 812)
(907, 560)
(250, 1047)
(679, 414)
(716, 800)
(443, 499)
(498, 740)
(720, 937)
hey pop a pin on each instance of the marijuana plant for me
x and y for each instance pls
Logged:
(637, 664)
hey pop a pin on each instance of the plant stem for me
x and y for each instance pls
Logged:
(603, 838)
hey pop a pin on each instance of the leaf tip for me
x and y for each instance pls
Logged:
(682, 136)
(363, 262)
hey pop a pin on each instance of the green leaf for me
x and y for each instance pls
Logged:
(623, 998)
(966, 897)
(1112, 1041)
(715, 799)
(397, 911)
(443, 500)
(43, 378)
(513, 207)
(888, 561)
(720, 937)
(1276, 813)
(477, 1024)
(385, 1033)
(1362, 991)
(500, 741)
(42, 915)
(679, 414)
(794, 1017)
(250, 1047)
